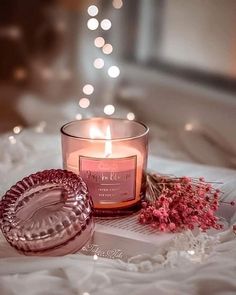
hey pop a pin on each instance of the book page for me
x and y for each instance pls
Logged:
(130, 227)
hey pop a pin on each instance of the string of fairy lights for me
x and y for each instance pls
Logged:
(113, 71)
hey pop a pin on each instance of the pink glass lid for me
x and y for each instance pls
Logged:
(47, 213)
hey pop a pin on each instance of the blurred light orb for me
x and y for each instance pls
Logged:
(98, 63)
(95, 257)
(20, 74)
(188, 127)
(12, 139)
(84, 103)
(92, 10)
(131, 116)
(88, 89)
(47, 73)
(113, 71)
(99, 42)
(78, 117)
(11, 32)
(107, 48)
(117, 4)
(105, 24)
(40, 127)
(191, 252)
(109, 109)
(92, 24)
(14, 32)
(17, 129)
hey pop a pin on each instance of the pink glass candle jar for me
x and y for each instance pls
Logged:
(111, 157)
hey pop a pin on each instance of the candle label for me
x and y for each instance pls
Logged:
(109, 181)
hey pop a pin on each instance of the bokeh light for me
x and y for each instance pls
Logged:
(131, 116)
(14, 32)
(17, 129)
(40, 127)
(78, 116)
(92, 24)
(188, 127)
(105, 24)
(95, 257)
(99, 42)
(12, 139)
(92, 10)
(20, 74)
(84, 103)
(107, 48)
(98, 63)
(47, 73)
(88, 89)
(113, 71)
(109, 109)
(191, 252)
(117, 4)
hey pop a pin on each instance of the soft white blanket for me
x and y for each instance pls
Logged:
(172, 270)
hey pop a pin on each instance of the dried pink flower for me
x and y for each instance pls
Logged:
(173, 204)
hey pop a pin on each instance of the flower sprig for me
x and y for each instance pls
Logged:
(176, 203)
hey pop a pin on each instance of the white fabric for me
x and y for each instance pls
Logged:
(172, 270)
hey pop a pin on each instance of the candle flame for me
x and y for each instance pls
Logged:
(95, 133)
(108, 143)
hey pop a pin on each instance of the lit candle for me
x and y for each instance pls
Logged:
(112, 166)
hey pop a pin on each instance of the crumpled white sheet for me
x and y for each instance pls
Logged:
(75, 274)
(171, 271)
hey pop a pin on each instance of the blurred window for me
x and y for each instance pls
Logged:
(192, 39)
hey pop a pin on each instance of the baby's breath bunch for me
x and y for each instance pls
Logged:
(178, 203)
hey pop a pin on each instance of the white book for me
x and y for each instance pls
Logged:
(123, 238)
